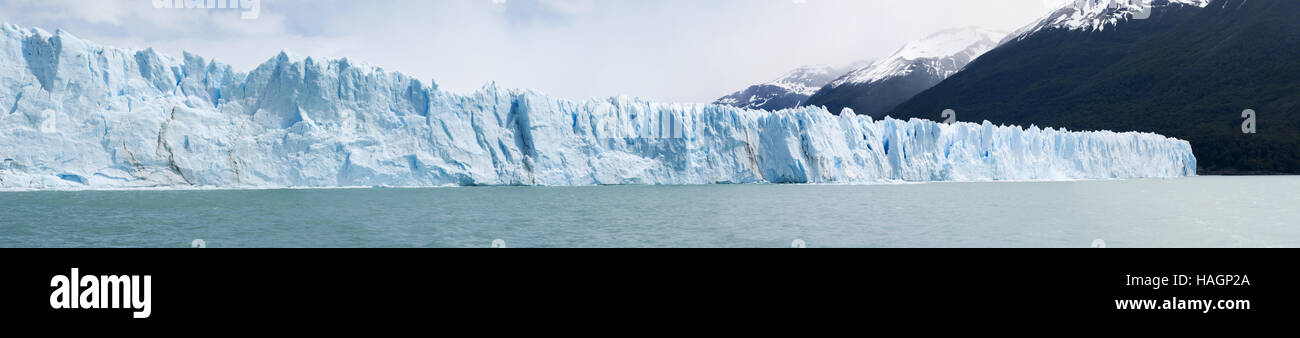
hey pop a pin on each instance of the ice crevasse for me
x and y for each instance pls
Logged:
(78, 115)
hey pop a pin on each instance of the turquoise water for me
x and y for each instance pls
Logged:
(1190, 212)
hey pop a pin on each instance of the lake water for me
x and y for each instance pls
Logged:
(1188, 212)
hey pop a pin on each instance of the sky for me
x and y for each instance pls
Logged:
(664, 50)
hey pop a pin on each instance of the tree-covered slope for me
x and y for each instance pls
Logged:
(1186, 72)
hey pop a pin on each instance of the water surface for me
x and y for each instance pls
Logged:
(1186, 212)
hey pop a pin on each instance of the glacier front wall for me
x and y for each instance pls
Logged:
(84, 116)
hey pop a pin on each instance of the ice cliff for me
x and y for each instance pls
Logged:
(78, 115)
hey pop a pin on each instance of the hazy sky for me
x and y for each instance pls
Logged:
(668, 50)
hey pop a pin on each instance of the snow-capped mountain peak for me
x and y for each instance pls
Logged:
(878, 87)
(1097, 15)
(944, 53)
(787, 91)
(806, 79)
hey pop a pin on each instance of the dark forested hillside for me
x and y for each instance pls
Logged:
(1186, 72)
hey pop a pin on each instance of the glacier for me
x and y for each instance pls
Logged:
(84, 116)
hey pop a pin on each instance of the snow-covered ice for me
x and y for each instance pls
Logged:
(81, 116)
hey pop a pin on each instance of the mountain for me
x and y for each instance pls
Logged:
(788, 91)
(1098, 15)
(874, 89)
(85, 116)
(1188, 70)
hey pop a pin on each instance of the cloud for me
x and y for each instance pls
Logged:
(109, 12)
(670, 50)
(570, 7)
